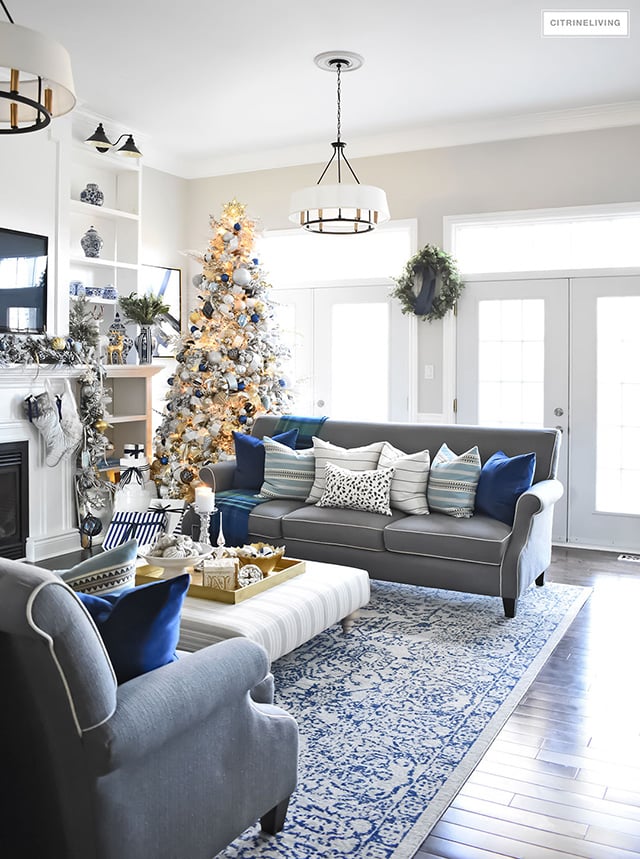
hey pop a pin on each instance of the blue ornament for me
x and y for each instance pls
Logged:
(255, 317)
(202, 367)
(199, 393)
(255, 260)
(170, 380)
(243, 419)
(282, 383)
(241, 386)
(164, 460)
(237, 227)
(224, 278)
(193, 329)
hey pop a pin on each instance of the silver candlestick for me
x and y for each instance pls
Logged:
(205, 523)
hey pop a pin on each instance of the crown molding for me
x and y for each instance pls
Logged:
(434, 136)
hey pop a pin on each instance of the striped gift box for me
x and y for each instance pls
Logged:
(127, 524)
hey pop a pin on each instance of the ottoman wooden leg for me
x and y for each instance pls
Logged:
(348, 621)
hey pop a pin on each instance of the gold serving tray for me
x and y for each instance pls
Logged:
(286, 568)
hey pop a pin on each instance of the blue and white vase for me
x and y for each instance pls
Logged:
(144, 345)
(92, 194)
(91, 243)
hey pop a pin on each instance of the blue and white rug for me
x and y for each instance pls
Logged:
(394, 716)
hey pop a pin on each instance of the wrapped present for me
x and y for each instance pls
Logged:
(127, 524)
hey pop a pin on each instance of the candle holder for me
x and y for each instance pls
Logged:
(205, 523)
(220, 543)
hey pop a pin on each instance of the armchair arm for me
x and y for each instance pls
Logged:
(220, 475)
(161, 704)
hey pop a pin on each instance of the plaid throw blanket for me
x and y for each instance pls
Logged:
(307, 428)
(235, 507)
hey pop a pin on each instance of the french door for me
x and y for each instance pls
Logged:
(563, 352)
(352, 352)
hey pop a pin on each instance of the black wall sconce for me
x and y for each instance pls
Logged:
(101, 143)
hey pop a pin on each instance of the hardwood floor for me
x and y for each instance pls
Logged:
(562, 779)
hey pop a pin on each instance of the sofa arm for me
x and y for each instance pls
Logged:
(529, 551)
(159, 705)
(219, 475)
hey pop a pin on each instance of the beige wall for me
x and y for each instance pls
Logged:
(561, 170)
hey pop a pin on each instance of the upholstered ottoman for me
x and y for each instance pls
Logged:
(283, 617)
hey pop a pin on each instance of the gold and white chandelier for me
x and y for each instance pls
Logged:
(340, 209)
(36, 83)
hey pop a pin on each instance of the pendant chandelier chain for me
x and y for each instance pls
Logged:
(339, 91)
(6, 12)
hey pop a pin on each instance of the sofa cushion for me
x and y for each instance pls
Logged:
(140, 627)
(409, 481)
(503, 479)
(337, 527)
(249, 473)
(357, 490)
(265, 520)
(354, 458)
(479, 539)
(105, 572)
(453, 482)
(287, 473)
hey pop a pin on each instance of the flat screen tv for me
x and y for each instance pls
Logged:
(23, 282)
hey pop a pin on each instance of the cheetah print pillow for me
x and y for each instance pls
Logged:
(357, 490)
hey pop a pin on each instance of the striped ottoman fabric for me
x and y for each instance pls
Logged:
(283, 617)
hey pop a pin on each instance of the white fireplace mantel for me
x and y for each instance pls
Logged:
(52, 511)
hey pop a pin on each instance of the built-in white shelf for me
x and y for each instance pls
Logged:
(97, 212)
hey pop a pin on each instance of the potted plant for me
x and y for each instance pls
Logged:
(146, 311)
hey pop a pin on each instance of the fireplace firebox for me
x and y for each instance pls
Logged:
(14, 498)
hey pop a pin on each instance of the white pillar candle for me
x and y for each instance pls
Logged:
(205, 499)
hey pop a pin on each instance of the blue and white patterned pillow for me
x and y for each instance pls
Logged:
(453, 482)
(287, 473)
(106, 572)
(357, 490)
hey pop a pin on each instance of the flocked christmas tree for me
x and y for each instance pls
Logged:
(230, 367)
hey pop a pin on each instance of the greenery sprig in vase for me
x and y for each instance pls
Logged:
(146, 311)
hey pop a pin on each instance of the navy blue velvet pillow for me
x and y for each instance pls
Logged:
(140, 627)
(502, 480)
(249, 473)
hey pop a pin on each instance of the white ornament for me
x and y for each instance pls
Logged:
(228, 299)
(227, 236)
(215, 357)
(241, 276)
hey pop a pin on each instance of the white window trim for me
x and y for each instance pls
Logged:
(408, 224)
(560, 213)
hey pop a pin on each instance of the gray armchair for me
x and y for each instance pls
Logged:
(174, 763)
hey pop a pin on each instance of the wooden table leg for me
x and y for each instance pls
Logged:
(348, 621)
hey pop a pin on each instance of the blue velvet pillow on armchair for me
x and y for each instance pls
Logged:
(249, 473)
(503, 479)
(140, 627)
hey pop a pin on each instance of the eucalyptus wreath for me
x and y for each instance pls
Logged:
(429, 285)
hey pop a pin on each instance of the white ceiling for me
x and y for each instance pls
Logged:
(212, 87)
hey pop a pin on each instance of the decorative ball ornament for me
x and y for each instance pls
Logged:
(186, 475)
(227, 236)
(417, 287)
(59, 344)
(101, 425)
(241, 276)
(90, 526)
(164, 460)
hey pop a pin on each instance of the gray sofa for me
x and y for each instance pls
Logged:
(477, 555)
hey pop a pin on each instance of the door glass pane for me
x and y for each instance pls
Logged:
(511, 362)
(360, 362)
(618, 405)
(296, 368)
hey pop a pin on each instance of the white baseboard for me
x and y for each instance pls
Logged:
(48, 547)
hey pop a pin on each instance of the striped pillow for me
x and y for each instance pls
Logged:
(287, 473)
(409, 482)
(353, 458)
(453, 482)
